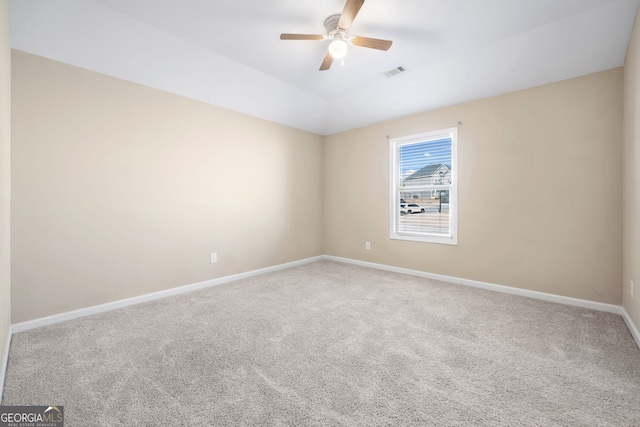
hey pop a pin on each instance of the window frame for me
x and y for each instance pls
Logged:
(395, 189)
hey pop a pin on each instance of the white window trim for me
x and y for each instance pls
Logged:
(452, 238)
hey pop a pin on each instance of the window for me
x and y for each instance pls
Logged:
(424, 172)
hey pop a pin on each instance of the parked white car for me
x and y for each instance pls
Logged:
(413, 208)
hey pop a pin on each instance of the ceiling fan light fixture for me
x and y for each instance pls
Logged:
(338, 49)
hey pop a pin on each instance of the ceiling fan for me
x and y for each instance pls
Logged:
(337, 27)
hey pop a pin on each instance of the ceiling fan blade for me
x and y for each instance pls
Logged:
(372, 43)
(301, 37)
(326, 64)
(349, 13)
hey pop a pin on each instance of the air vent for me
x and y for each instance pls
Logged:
(396, 71)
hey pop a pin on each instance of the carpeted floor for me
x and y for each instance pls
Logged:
(333, 344)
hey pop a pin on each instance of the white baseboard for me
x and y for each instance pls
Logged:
(56, 318)
(632, 326)
(599, 306)
(5, 361)
(44, 321)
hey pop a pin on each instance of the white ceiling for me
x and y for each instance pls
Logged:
(228, 52)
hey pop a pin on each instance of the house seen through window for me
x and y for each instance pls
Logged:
(424, 187)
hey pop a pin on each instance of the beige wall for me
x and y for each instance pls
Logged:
(5, 179)
(631, 209)
(539, 194)
(120, 190)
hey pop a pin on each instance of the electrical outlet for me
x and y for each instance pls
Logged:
(214, 257)
(631, 288)
(367, 246)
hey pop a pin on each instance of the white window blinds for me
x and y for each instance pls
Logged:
(423, 196)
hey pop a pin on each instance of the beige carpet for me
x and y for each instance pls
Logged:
(333, 344)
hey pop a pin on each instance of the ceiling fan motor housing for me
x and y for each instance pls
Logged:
(333, 32)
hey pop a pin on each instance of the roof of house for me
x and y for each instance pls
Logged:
(427, 171)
